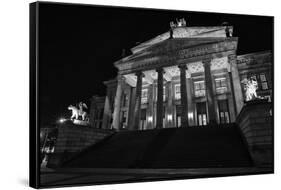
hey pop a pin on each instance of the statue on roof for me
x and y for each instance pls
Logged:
(182, 22)
(228, 30)
(179, 23)
(76, 112)
(172, 24)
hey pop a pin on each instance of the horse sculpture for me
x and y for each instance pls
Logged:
(77, 112)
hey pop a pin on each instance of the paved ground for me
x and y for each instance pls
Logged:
(74, 176)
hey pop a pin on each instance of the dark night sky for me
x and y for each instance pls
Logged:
(78, 45)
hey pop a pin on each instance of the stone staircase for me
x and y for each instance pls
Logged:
(185, 147)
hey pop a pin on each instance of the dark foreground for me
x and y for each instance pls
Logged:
(78, 176)
(160, 154)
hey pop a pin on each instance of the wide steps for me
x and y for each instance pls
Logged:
(185, 147)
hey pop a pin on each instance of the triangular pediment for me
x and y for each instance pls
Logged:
(172, 45)
(185, 32)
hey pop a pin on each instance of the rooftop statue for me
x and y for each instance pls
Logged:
(250, 87)
(228, 32)
(179, 23)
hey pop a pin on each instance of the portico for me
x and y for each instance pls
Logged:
(178, 82)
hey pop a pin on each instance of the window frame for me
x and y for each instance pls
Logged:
(177, 92)
(201, 91)
(222, 87)
(262, 82)
(144, 99)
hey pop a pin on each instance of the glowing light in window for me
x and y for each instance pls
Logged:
(190, 115)
(170, 117)
(149, 119)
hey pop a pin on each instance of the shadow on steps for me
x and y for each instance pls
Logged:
(185, 147)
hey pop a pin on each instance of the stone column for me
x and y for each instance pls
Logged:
(190, 104)
(209, 91)
(231, 98)
(239, 101)
(184, 108)
(159, 117)
(117, 103)
(131, 108)
(137, 108)
(106, 112)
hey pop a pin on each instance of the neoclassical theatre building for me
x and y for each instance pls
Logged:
(188, 76)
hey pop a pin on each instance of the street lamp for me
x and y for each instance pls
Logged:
(62, 120)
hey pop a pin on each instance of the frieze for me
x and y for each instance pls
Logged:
(254, 58)
(174, 56)
(247, 61)
(180, 50)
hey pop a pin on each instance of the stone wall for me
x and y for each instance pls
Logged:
(255, 123)
(72, 139)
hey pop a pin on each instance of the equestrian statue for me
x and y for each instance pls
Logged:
(76, 112)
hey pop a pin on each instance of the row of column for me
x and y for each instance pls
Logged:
(159, 114)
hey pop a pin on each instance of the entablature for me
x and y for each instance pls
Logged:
(173, 58)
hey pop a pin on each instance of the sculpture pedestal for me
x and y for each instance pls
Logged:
(81, 122)
(255, 123)
(72, 139)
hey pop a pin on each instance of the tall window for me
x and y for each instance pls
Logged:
(144, 96)
(164, 93)
(97, 114)
(221, 86)
(177, 92)
(263, 81)
(201, 113)
(143, 119)
(223, 111)
(199, 88)
(124, 119)
(178, 115)
(101, 113)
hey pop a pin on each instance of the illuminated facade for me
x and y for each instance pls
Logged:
(188, 77)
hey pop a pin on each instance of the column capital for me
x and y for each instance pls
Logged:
(231, 57)
(206, 60)
(139, 74)
(120, 78)
(159, 70)
(182, 67)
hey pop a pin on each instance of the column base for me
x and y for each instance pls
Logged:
(184, 124)
(213, 122)
(159, 126)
